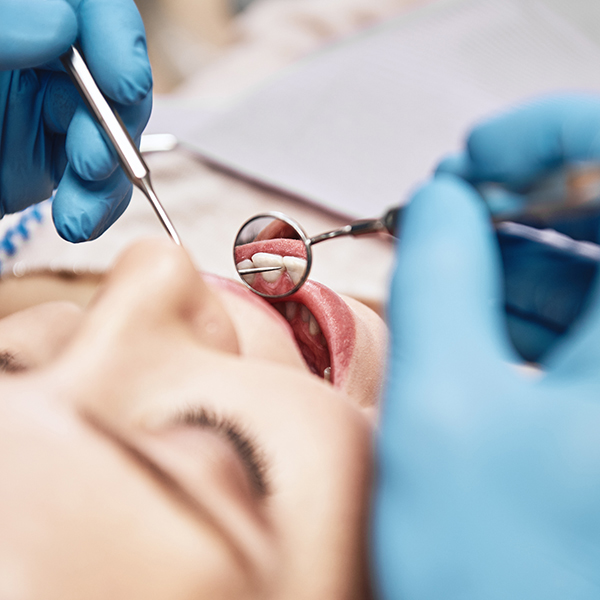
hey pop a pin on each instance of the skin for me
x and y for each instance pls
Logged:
(105, 492)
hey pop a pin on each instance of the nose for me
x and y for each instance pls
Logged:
(154, 284)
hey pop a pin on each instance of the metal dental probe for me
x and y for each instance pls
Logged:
(130, 157)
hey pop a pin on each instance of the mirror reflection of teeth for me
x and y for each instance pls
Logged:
(265, 259)
(294, 266)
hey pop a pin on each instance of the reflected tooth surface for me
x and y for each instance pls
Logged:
(247, 264)
(295, 266)
(327, 374)
(290, 310)
(304, 314)
(313, 326)
(265, 259)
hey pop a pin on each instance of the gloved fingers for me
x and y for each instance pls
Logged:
(27, 174)
(448, 354)
(458, 164)
(61, 100)
(113, 41)
(33, 32)
(502, 202)
(88, 153)
(83, 210)
(518, 147)
(59, 158)
(446, 305)
(499, 200)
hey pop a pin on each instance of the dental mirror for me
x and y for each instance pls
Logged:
(272, 255)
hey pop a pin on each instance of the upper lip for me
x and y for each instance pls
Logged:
(281, 246)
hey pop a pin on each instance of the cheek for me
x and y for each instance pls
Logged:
(36, 335)
(78, 521)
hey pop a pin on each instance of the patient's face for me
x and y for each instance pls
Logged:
(170, 441)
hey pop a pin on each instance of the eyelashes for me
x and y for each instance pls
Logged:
(249, 453)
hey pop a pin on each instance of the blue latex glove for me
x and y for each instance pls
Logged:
(47, 137)
(489, 479)
(545, 291)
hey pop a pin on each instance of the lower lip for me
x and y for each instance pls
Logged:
(333, 315)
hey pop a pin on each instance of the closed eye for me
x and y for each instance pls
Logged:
(250, 455)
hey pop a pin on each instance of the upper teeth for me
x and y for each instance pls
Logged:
(295, 267)
(264, 259)
(292, 264)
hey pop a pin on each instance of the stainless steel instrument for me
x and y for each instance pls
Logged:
(130, 157)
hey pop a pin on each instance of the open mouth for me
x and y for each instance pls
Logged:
(324, 328)
(322, 323)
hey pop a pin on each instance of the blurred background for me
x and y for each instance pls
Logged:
(363, 120)
(184, 35)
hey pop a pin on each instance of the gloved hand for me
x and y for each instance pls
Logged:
(47, 137)
(545, 291)
(489, 478)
